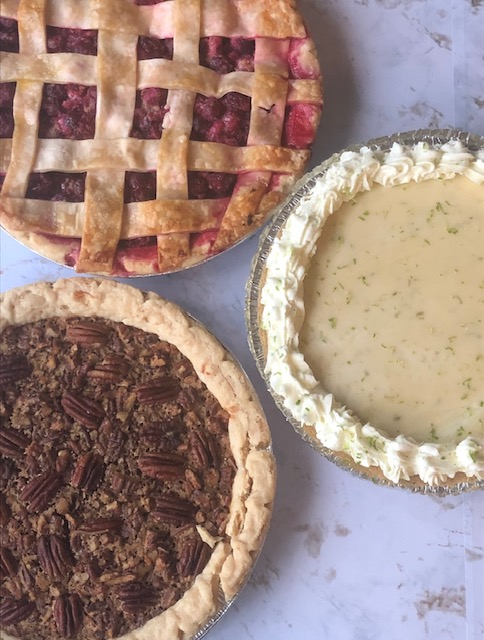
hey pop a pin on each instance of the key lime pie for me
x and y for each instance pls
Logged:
(372, 319)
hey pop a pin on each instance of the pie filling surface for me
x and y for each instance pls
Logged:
(394, 308)
(148, 146)
(114, 457)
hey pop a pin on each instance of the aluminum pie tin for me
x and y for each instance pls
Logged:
(222, 603)
(256, 338)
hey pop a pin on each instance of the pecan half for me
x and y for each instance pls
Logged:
(162, 435)
(100, 525)
(136, 597)
(54, 556)
(121, 483)
(113, 578)
(13, 443)
(13, 367)
(112, 369)
(5, 511)
(14, 611)
(7, 467)
(193, 557)
(25, 578)
(41, 490)
(8, 563)
(204, 449)
(87, 333)
(115, 445)
(85, 410)
(68, 614)
(172, 509)
(88, 472)
(158, 390)
(162, 466)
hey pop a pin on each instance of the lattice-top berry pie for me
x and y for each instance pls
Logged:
(142, 136)
(136, 478)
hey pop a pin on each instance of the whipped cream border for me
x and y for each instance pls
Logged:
(282, 315)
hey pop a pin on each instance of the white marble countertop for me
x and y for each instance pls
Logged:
(345, 559)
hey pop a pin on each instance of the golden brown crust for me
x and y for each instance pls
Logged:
(254, 484)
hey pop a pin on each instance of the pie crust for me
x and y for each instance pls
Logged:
(101, 231)
(233, 553)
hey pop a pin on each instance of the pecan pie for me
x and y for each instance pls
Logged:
(143, 136)
(136, 478)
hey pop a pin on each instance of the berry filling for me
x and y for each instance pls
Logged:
(139, 186)
(149, 48)
(203, 185)
(7, 92)
(224, 120)
(9, 35)
(299, 125)
(146, 3)
(68, 111)
(224, 55)
(149, 112)
(56, 186)
(60, 40)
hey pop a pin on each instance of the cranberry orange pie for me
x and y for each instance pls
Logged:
(143, 136)
(136, 478)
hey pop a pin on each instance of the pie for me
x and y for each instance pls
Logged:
(136, 473)
(143, 137)
(370, 311)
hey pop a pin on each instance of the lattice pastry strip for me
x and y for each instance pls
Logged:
(201, 74)
(104, 188)
(173, 184)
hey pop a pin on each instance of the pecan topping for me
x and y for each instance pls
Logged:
(136, 597)
(112, 369)
(12, 443)
(8, 563)
(193, 557)
(41, 490)
(114, 578)
(63, 461)
(162, 466)
(173, 509)
(162, 435)
(6, 470)
(123, 483)
(100, 525)
(85, 410)
(87, 333)
(204, 451)
(5, 511)
(14, 367)
(68, 614)
(114, 446)
(158, 390)
(14, 611)
(54, 556)
(88, 472)
(100, 494)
